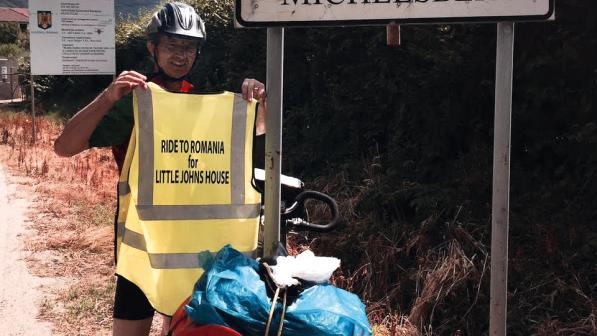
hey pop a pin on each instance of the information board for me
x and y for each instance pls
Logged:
(264, 13)
(72, 37)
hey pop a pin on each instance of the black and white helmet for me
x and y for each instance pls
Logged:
(179, 20)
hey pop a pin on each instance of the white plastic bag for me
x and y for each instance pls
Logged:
(305, 266)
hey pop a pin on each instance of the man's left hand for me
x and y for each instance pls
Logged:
(254, 89)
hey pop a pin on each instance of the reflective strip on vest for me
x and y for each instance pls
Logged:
(168, 260)
(124, 191)
(179, 204)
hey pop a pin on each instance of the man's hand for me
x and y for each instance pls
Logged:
(126, 82)
(76, 133)
(254, 89)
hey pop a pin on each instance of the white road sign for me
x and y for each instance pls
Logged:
(260, 13)
(72, 37)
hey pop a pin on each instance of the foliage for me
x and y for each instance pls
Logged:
(10, 50)
(13, 41)
(403, 137)
(229, 55)
(131, 50)
(9, 33)
(131, 9)
(412, 128)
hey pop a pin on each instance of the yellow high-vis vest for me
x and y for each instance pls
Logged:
(185, 189)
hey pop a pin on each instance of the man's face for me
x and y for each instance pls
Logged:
(175, 56)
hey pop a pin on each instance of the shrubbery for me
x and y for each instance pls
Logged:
(403, 137)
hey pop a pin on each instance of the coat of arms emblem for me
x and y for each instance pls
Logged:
(44, 19)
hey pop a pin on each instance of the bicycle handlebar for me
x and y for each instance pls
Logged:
(299, 223)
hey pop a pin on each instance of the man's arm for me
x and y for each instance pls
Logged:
(75, 136)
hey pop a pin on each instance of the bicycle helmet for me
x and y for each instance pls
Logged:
(177, 19)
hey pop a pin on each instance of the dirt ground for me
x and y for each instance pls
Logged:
(21, 292)
(56, 234)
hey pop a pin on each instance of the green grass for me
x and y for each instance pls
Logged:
(90, 302)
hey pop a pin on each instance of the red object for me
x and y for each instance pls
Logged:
(182, 325)
(20, 15)
(185, 87)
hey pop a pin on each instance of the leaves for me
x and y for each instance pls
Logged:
(411, 128)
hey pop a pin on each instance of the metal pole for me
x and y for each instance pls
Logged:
(273, 140)
(501, 179)
(12, 90)
(33, 109)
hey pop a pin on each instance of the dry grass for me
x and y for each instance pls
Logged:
(72, 220)
(432, 277)
(445, 272)
(427, 279)
(373, 278)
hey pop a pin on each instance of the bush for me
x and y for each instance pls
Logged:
(403, 137)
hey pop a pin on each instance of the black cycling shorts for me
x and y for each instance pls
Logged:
(130, 303)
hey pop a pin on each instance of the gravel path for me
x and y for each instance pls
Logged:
(20, 292)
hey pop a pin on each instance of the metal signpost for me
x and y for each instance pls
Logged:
(71, 37)
(273, 140)
(500, 208)
(276, 14)
(33, 131)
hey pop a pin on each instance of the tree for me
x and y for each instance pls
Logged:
(9, 33)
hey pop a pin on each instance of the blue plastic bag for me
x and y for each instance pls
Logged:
(231, 293)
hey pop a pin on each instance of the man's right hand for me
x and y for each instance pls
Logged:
(76, 133)
(126, 82)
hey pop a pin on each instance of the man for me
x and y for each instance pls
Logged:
(175, 35)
